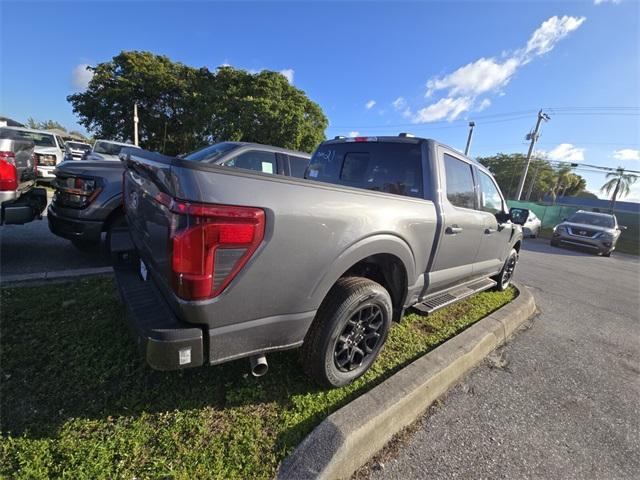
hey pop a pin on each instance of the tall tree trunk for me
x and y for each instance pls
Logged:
(615, 194)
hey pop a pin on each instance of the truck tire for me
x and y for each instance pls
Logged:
(348, 332)
(506, 274)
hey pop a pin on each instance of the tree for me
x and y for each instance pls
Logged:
(46, 125)
(620, 183)
(546, 180)
(181, 108)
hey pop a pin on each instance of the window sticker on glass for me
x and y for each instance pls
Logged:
(267, 167)
(313, 173)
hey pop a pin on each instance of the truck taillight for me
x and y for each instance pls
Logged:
(8, 172)
(217, 242)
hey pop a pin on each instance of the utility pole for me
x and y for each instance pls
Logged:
(466, 149)
(135, 124)
(533, 181)
(534, 138)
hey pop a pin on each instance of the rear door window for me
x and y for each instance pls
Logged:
(460, 188)
(298, 165)
(255, 160)
(384, 167)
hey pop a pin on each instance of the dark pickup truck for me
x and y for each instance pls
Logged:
(221, 264)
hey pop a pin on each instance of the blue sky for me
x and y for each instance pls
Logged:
(430, 67)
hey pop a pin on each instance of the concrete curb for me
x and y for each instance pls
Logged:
(339, 445)
(57, 275)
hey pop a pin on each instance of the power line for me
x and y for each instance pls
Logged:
(506, 117)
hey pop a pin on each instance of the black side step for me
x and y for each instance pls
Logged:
(441, 300)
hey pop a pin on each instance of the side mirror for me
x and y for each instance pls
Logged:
(516, 216)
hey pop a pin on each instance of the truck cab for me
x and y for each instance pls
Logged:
(223, 263)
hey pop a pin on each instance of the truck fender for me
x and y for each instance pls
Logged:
(366, 247)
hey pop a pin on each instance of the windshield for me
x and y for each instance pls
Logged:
(108, 148)
(210, 153)
(593, 219)
(40, 139)
(79, 146)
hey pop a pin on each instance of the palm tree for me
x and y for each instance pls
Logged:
(620, 182)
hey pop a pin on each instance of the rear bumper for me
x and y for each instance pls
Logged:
(26, 208)
(72, 228)
(166, 342)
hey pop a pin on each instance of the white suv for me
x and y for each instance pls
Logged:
(49, 150)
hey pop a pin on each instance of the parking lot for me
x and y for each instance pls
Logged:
(558, 401)
(32, 248)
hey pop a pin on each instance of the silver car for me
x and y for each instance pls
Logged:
(592, 230)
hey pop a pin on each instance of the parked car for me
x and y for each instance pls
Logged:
(531, 224)
(49, 150)
(76, 150)
(221, 264)
(106, 150)
(592, 230)
(88, 197)
(20, 201)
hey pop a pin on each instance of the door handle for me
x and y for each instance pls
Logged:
(452, 230)
(489, 231)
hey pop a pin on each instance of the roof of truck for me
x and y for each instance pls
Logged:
(270, 147)
(402, 138)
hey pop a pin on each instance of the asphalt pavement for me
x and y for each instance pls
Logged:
(32, 248)
(561, 400)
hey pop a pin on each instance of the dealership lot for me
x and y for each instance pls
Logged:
(561, 399)
(32, 248)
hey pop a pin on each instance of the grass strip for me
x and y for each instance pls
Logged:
(77, 401)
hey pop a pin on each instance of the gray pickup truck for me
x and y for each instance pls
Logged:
(88, 197)
(221, 264)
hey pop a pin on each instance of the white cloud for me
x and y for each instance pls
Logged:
(549, 33)
(626, 154)
(600, 2)
(448, 108)
(353, 134)
(485, 103)
(288, 74)
(80, 76)
(399, 103)
(565, 152)
(370, 104)
(481, 76)
(489, 75)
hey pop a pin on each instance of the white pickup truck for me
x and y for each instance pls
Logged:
(49, 150)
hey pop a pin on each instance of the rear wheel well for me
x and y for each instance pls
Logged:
(387, 270)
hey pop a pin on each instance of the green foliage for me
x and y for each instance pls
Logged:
(181, 108)
(548, 180)
(78, 403)
(619, 183)
(45, 125)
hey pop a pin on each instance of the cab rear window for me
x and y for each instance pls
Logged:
(384, 167)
